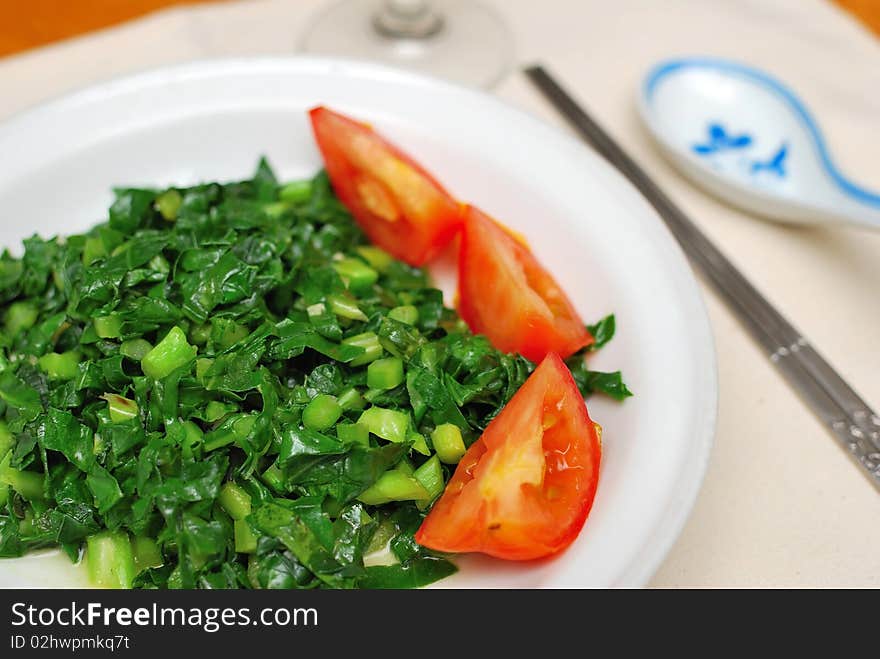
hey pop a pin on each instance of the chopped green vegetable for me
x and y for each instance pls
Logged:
(358, 276)
(415, 573)
(589, 382)
(351, 399)
(368, 342)
(108, 327)
(244, 538)
(405, 466)
(296, 192)
(394, 485)
(93, 249)
(19, 317)
(203, 364)
(215, 410)
(385, 373)
(226, 333)
(135, 349)
(378, 258)
(110, 560)
(406, 313)
(274, 478)
(6, 440)
(235, 501)
(193, 436)
(602, 332)
(168, 204)
(146, 554)
(430, 475)
(448, 443)
(120, 408)
(387, 424)
(60, 366)
(234, 429)
(346, 308)
(170, 353)
(419, 445)
(353, 433)
(322, 412)
(27, 483)
(226, 386)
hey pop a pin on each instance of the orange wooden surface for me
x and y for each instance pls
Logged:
(867, 10)
(27, 24)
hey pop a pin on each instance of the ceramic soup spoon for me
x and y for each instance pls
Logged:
(748, 139)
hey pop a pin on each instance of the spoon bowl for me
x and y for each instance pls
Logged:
(751, 141)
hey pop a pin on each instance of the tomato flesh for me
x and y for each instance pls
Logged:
(525, 488)
(399, 205)
(506, 294)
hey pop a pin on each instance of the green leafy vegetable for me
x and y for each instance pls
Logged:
(225, 386)
(589, 382)
(602, 332)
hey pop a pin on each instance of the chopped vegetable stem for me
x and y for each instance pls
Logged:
(168, 204)
(235, 501)
(387, 424)
(345, 307)
(146, 553)
(322, 412)
(394, 485)
(353, 433)
(108, 327)
(19, 317)
(379, 259)
(448, 443)
(357, 275)
(170, 353)
(244, 537)
(385, 373)
(28, 484)
(369, 341)
(110, 560)
(351, 399)
(120, 408)
(60, 366)
(430, 475)
(406, 313)
(135, 349)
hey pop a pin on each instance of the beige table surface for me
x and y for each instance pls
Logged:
(781, 504)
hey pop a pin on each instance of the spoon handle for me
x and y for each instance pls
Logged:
(843, 412)
(858, 212)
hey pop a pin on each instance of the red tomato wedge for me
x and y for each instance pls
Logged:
(399, 205)
(504, 293)
(524, 489)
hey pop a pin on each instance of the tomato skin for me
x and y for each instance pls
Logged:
(398, 204)
(525, 488)
(506, 294)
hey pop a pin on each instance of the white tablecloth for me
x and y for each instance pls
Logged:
(781, 505)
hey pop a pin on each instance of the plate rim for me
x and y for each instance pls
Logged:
(680, 499)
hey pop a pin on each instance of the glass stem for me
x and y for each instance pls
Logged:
(407, 19)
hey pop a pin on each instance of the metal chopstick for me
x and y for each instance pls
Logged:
(849, 418)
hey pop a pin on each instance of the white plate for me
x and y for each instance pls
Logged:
(609, 250)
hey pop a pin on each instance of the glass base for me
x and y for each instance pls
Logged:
(470, 44)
